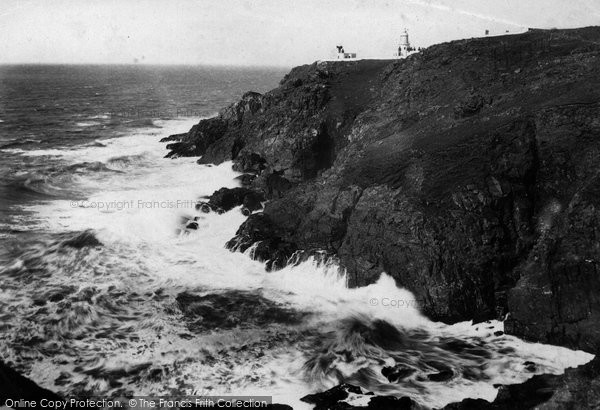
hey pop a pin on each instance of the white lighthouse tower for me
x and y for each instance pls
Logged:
(404, 49)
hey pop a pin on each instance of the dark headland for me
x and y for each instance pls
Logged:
(470, 172)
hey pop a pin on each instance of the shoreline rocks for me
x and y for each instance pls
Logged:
(468, 172)
(457, 171)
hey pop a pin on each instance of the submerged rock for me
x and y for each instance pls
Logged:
(335, 399)
(397, 373)
(232, 309)
(332, 396)
(82, 240)
(192, 225)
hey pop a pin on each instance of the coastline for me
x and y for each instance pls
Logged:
(352, 159)
(327, 135)
(399, 144)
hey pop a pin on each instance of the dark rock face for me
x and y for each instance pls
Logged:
(228, 198)
(468, 172)
(249, 162)
(295, 129)
(557, 297)
(459, 171)
(195, 142)
(13, 386)
(270, 247)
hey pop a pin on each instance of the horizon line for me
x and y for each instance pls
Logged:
(220, 65)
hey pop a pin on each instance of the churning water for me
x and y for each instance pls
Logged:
(102, 293)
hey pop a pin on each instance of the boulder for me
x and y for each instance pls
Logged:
(228, 198)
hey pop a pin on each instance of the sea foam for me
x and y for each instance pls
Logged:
(112, 313)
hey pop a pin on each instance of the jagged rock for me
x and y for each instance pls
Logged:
(270, 247)
(293, 128)
(249, 162)
(250, 103)
(198, 139)
(331, 396)
(228, 198)
(333, 399)
(175, 137)
(452, 202)
(468, 172)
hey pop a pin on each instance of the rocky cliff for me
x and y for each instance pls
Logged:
(469, 172)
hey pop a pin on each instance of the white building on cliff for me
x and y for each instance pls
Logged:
(342, 55)
(404, 48)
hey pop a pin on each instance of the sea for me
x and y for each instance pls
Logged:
(104, 293)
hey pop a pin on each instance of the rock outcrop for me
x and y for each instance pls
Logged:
(468, 172)
(579, 387)
(15, 387)
(340, 398)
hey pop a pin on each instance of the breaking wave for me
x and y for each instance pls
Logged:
(117, 296)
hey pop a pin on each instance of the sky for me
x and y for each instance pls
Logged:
(258, 32)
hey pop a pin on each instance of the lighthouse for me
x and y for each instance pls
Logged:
(404, 49)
